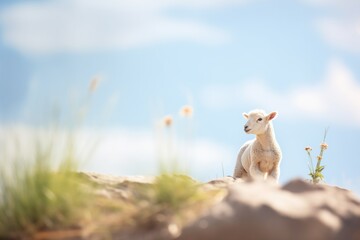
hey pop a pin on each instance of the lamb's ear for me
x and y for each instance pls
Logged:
(271, 116)
(246, 116)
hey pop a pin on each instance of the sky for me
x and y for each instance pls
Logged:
(222, 57)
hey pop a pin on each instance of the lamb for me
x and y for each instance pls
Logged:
(259, 158)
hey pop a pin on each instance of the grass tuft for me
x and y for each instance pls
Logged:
(174, 191)
(34, 197)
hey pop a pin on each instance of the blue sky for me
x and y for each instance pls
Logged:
(226, 57)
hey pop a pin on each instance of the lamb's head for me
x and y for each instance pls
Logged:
(258, 121)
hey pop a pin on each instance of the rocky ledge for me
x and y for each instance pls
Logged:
(256, 210)
(297, 210)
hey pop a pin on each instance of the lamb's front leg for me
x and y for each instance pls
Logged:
(255, 171)
(275, 173)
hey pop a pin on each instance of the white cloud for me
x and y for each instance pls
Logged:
(342, 33)
(117, 151)
(344, 4)
(341, 27)
(134, 152)
(92, 25)
(334, 100)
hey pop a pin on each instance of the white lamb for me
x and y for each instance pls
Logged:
(259, 158)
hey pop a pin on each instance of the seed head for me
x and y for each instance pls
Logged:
(324, 146)
(308, 149)
(94, 83)
(168, 120)
(186, 111)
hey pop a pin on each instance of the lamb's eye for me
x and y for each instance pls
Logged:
(259, 120)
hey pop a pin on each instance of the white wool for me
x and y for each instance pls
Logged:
(259, 158)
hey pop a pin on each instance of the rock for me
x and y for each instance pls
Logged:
(117, 187)
(225, 181)
(254, 210)
(105, 179)
(296, 211)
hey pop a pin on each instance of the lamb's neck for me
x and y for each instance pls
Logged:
(267, 140)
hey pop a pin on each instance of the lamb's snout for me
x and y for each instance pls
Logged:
(246, 128)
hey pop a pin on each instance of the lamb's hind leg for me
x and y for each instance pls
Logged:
(240, 171)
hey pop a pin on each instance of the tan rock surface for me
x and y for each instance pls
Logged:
(253, 210)
(298, 210)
